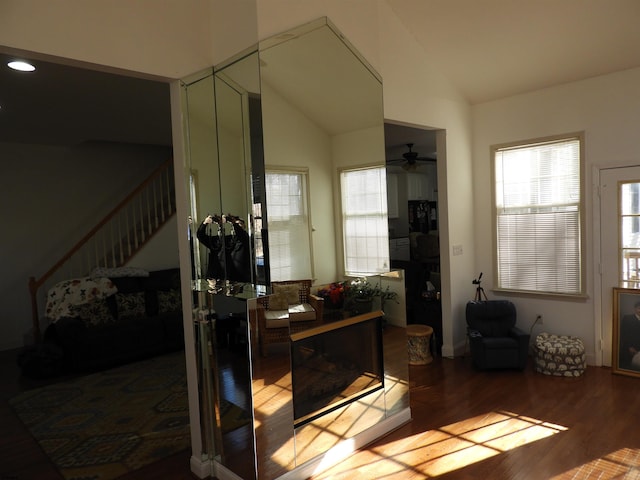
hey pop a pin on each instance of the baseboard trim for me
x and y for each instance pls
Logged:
(200, 468)
(223, 473)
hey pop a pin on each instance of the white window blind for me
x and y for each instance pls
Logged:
(538, 204)
(365, 224)
(288, 223)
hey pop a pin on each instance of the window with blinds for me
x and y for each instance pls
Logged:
(364, 221)
(289, 230)
(538, 205)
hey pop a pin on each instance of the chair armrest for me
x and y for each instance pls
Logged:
(262, 322)
(473, 333)
(318, 305)
(523, 345)
(476, 340)
(519, 334)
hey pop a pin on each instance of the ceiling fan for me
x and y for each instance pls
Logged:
(410, 159)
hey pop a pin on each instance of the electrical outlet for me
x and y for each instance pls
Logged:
(539, 320)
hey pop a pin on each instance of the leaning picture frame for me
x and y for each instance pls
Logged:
(626, 331)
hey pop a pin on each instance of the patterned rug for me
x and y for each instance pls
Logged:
(104, 425)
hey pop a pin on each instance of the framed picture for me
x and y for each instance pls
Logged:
(626, 331)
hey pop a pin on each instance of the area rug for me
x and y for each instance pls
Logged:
(107, 424)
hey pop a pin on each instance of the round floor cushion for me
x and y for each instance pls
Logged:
(559, 355)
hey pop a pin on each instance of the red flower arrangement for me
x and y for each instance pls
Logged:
(334, 294)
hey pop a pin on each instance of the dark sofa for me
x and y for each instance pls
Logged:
(143, 319)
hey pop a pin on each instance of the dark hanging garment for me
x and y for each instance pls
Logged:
(215, 267)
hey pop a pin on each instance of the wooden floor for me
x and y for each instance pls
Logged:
(466, 425)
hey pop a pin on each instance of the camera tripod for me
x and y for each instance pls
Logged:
(479, 290)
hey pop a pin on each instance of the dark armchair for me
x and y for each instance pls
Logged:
(494, 340)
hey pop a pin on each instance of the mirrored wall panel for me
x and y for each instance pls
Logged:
(222, 124)
(320, 373)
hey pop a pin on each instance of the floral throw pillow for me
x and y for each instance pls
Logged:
(130, 304)
(93, 313)
(76, 291)
(169, 301)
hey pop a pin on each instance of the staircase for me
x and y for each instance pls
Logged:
(115, 239)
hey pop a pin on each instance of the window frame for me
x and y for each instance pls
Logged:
(582, 276)
(306, 202)
(386, 267)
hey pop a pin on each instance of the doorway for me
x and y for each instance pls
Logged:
(613, 272)
(414, 240)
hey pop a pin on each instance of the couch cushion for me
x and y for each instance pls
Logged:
(93, 313)
(131, 305)
(276, 318)
(118, 272)
(301, 312)
(169, 301)
(168, 279)
(500, 343)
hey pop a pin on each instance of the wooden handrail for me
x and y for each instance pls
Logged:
(35, 284)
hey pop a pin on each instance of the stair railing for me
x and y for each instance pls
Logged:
(116, 238)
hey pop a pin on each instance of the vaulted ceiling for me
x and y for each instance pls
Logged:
(491, 49)
(488, 49)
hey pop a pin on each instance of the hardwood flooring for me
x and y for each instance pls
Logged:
(466, 425)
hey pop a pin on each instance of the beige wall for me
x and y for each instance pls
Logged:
(607, 109)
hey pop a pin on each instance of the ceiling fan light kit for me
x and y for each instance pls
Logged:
(410, 159)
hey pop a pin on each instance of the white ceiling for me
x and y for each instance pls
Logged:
(66, 105)
(491, 49)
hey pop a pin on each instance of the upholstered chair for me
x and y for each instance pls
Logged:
(494, 340)
(289, 309)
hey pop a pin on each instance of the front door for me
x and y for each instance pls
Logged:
(619, 240)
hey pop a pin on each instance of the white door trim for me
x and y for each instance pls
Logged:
(597, 268)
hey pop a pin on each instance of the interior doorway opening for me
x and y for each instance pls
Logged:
(412, 199)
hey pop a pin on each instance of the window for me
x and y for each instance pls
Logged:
(538, 205)
(288, 223)
(629, 219)
(364, 216)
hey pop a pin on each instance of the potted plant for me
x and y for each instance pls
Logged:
(386, 295)
(360, 293)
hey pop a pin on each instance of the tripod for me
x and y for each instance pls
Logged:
(479, 290)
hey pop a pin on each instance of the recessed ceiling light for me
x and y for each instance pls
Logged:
(21, 66)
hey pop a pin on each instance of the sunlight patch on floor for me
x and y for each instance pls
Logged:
(449, 448)
(621, 464)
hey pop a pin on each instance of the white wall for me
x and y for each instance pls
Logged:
(416, 93)
(607, 109)
(170, 39)
(54, 196)
(292, 140)
(161, 252)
